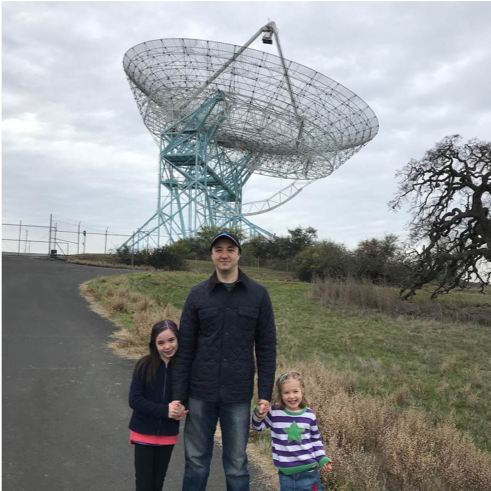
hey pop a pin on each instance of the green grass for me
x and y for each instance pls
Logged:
(470, 296)
(441, 368)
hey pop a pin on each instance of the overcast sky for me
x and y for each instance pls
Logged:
(74, 144)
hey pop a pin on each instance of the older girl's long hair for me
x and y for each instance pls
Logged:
(149, 364)
(278, 400)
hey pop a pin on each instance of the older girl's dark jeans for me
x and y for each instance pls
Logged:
(151, 463)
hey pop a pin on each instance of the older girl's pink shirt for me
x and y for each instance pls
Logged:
(152, 439)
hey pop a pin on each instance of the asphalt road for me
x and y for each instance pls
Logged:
(65, 411)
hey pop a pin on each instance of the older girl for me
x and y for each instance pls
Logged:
(154, 424)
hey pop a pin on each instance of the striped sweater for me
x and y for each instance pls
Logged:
(296, 441)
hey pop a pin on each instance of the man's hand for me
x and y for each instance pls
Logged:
(263, 405)
(262, 409)
(177, 410)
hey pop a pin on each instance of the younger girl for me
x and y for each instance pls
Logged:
(154, 424)
(297, 447)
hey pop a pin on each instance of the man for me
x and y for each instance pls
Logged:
(225, 319)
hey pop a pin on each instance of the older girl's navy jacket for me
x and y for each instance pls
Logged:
(150, 404)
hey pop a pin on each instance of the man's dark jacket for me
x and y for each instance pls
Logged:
(218, 332)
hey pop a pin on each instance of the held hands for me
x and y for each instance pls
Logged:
(177, 410)
(262, 409)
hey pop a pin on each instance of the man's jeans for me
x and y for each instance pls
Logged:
(200, 428)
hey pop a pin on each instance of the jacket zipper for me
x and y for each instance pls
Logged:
(163, 397)
(226, 301)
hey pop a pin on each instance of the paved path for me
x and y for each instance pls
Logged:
(65, 410)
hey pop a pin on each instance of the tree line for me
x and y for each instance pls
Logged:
(380, 260)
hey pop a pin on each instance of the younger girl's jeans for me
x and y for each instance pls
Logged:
(303, 481)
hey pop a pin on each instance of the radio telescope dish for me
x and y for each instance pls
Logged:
(252, 112)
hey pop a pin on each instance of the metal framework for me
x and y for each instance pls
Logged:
(221, 112)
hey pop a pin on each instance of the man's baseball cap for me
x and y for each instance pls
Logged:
(226, 235)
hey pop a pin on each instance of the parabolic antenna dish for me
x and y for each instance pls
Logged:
(301, 128)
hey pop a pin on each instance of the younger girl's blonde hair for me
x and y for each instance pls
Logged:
(278, 400)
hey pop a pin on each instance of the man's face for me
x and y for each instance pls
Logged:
(225, 255)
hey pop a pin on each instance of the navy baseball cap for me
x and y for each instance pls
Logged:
(226, 235)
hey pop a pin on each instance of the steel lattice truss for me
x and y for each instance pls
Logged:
(328, 125)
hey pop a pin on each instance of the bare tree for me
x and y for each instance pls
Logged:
(449, 191)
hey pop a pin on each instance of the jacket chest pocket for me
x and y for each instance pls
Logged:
(247, 317)
(208, 320)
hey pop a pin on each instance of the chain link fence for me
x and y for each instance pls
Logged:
(59, 237)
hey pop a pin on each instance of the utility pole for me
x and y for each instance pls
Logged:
(25, 245)
(78, 237)
(85, 235)
(105, 243)
(56, 229)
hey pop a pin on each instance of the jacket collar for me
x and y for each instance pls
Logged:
(214, 281)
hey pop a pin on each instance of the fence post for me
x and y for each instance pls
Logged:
(50, 225)
(20, 232)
